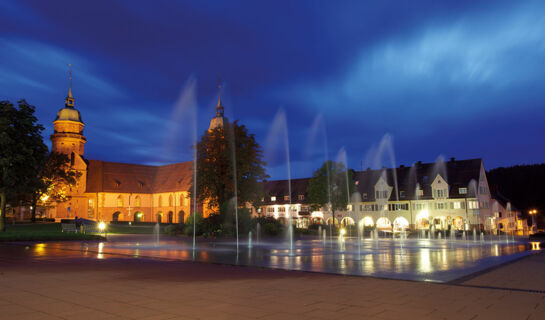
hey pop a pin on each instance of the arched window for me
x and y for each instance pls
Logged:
(170, 200)
(160, 202)
(137, 201)
(120, 201)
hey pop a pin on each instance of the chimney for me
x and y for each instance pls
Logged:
(402, 166)
(452, 159)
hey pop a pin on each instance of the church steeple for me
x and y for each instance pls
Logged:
(219, 107)
(218, 120)
(69, 101)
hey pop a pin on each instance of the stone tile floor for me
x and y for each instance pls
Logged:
(73, 286)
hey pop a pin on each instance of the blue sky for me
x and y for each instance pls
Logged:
(422, 79)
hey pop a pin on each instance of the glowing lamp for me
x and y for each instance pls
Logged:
(101, 226)
(343, 231)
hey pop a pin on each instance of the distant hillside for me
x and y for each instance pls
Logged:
(524, 185)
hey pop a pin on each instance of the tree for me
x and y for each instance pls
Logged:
(22, 150)
(217, 152)
(330, 187)
(52, 182)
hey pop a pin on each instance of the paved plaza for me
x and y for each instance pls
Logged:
(73, 285)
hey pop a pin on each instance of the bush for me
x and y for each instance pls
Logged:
(174, 229)
(188, 227)
(269, 226)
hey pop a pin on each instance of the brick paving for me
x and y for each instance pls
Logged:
(71, 286)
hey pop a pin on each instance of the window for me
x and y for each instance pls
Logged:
(273, 198)
(160, 202)
(462, 190)
(457, 205)
(420, 192)
(301, 197)
(440, 206)
(286, 198)
(137, 202)
(381, 194)
(473, 205)
(441, 193)
(364, 195)
(305, 209)
(402, 194)
(281, 209)
(170, 201)
(482, 190)
(120, 201)
(270, 209)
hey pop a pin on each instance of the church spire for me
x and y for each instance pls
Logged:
(69, 101)
(219, 107)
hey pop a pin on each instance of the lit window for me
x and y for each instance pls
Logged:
(120, 202)
(286, 198)
(462, 191)
(301, 197)
(273, 198)
(364, 195)
(281, 209)
(457, 205)
(270, 209)
(137, 201)
(402, 194)
(420, 192)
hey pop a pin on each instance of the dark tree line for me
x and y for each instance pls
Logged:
(523, 185)
(28, 171)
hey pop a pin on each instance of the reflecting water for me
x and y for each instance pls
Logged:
(412, 259)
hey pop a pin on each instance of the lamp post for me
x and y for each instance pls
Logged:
(534, 226)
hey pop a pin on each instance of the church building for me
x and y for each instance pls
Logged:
(112, 191)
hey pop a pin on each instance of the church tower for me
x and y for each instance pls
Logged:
(68, 138)
(219, 119)
(68, 128)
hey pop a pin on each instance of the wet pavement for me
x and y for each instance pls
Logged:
(71, 281)
(412, 259)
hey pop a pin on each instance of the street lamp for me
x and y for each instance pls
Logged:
(533, 214)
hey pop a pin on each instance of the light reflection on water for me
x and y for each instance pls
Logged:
(425, 260)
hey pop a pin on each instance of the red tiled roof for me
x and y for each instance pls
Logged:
(117, 177)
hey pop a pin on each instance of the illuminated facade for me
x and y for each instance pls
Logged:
(442, 195)
(110, 191)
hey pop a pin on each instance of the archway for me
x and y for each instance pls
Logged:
(383, 224)
(329, 220)
(159, 216)
(115, 216)
(317, 220)
(347, 221)
(138, 215)
(458, 223)
(170, 217)
(367, 222)
(400, 224)
(181, 216)
(422, 221)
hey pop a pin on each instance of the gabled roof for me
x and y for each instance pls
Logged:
(279, 189)
(457, 173)
(103, 176)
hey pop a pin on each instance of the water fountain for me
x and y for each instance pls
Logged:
(250, 240)
(324, 238)
(257, 233)
(474, 235)
(482, 236)
(156, 232)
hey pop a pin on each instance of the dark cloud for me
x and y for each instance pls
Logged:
(458, 78)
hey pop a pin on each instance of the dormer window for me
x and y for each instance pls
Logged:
(117, 183)
(462, 190)
(420, 192)
(364, 195)
(402, 194)
(301, 197)
(286, 198)
(140, 184)
(273, 198)
(381, 194)
(440, 193)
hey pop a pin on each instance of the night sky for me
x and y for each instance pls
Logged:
(460, 79)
